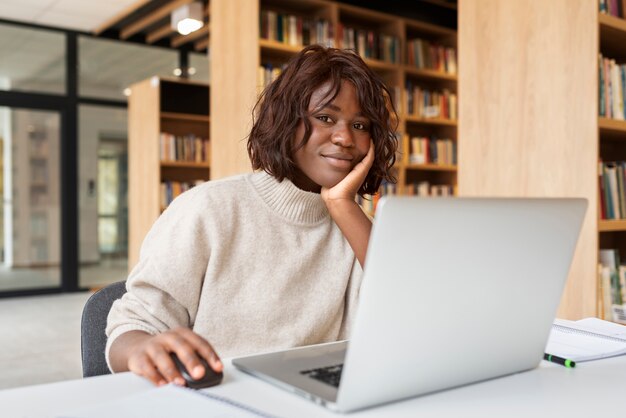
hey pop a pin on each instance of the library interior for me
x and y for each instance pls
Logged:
(109, 111)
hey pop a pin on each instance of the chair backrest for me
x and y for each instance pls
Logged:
(92, 328)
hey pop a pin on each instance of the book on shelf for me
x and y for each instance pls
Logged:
(612, 87)
(189, 148)
(268, 73)
(611, 286)
(369, 44)
(426, 103)
(170, 190)
(612, 7)
(424, 150)
(612, 189)
(427, 189)
(587, 339)
(293, 30)
(369, 202)
(428, 55)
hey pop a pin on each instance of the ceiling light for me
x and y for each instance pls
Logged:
(178, 72)
(126, 92)
(191, 70)
(188, 18)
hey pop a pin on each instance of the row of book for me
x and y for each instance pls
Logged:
(422, 188)
(369, 202)
(369, 44)
(295, 30)
(428, 55)
(612, 86)
(268, 73)
(612, 7)
(426, 188)
(424, 150)
(611, 286)
(300, 31)
(612, 187)
(170, 190)
(428, 104)
(190, 148)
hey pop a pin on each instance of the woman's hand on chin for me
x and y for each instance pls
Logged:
(347, 188)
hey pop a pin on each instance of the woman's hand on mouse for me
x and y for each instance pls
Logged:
(347, 188)
(151, 359)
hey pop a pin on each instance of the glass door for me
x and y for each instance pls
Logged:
(30, 236)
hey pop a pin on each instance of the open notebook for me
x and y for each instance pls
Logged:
(587, 339)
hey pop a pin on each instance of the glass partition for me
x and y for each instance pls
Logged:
(30, 255)
(199, 69)
(103, 195)
(108, 68)
(32, 60)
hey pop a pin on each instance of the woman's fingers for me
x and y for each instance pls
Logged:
(143, 366)
(153, 359)
(202, 348)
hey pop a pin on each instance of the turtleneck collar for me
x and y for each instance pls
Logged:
(288, 200)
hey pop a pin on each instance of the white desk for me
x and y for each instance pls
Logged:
(591, 389)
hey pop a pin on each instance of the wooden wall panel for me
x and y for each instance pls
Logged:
(528, 113)
(143, 167)
(234, 50)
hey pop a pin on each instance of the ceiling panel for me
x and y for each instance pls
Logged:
(82, 15)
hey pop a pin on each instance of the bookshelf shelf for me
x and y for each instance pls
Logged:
(429, 28)
(433, 121)
(612, 35)
(380, 65)
(184, 164)
(185, 117)
(611, 225)
(429, 74)
(431, 167)
(612, 129)
(274, 46)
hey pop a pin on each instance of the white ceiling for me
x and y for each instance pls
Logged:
(82, 15)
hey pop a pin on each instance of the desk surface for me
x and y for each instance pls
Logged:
(591, 389)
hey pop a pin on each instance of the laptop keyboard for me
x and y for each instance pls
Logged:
(330, 375)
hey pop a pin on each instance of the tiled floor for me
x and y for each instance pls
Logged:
(40, 339)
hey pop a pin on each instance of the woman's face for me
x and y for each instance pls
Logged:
(340, 138)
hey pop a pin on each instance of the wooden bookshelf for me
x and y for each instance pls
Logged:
(260, 50)
(159, 106)
(611, 132)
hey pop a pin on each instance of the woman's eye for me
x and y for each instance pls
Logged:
(324, 118)
(360, 126)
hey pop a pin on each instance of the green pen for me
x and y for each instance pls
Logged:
(559, 360)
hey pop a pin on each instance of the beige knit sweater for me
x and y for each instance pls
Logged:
(248, 263)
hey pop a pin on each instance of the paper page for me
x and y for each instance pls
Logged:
(165, 402)
(577, 346)
(603, 327)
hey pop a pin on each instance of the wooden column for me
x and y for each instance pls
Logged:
(528, 114)
(234, 64)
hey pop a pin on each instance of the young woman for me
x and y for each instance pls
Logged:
(272, 259)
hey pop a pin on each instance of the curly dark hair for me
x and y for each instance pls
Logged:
(285, 103)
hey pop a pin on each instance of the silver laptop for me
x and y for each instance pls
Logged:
(455, 291)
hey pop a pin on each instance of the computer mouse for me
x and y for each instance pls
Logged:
(210, 378)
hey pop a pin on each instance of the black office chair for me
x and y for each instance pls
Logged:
(92, 328)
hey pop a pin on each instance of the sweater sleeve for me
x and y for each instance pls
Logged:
(163, 289)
